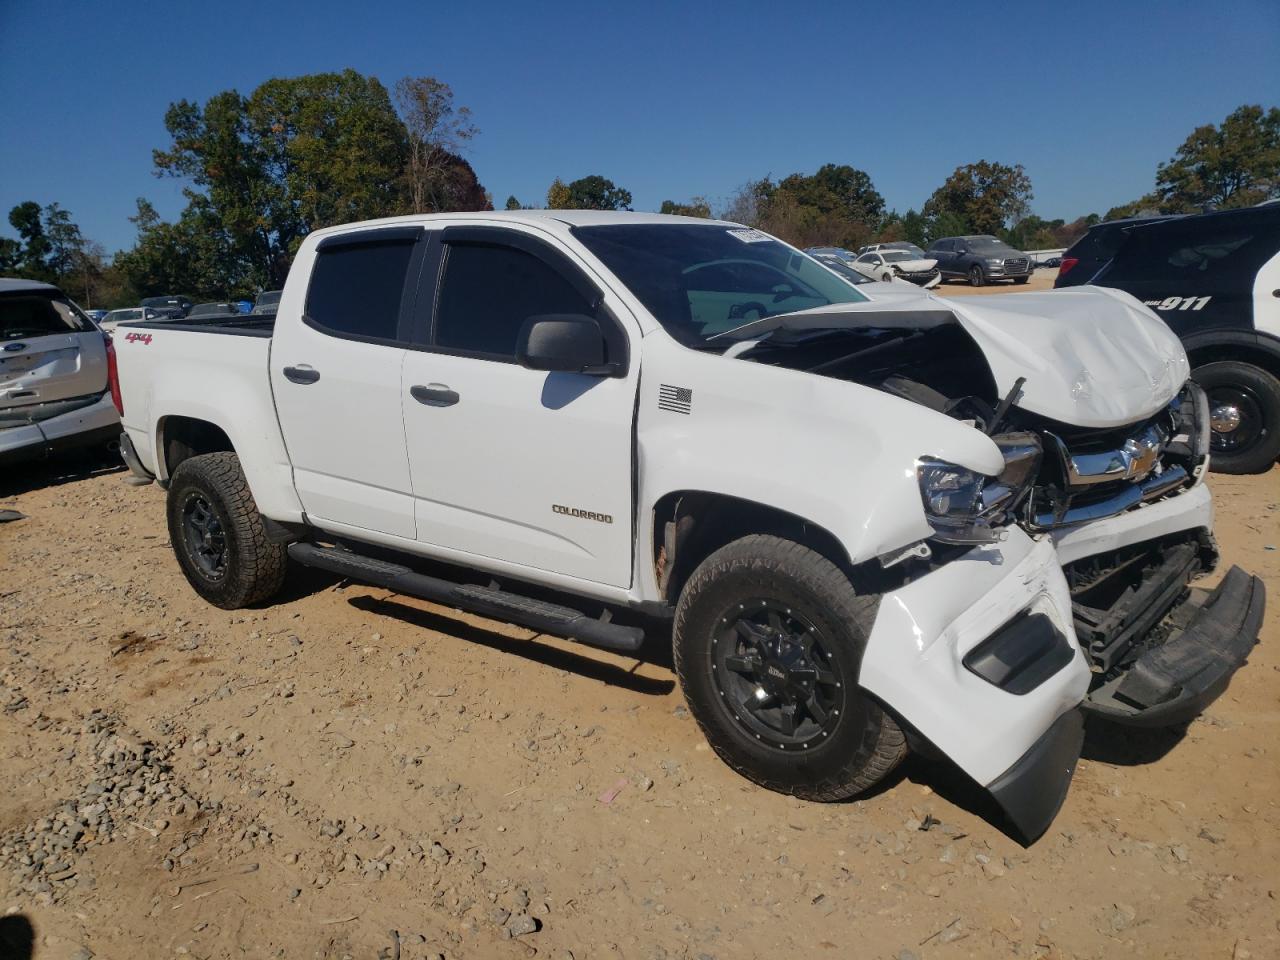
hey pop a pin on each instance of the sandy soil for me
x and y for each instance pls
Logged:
(348, 773)
(1042, 279)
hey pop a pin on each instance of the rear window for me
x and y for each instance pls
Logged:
(356, 290)
(1186, 251)
(39, 315)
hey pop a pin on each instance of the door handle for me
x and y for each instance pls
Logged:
(434, 395)
(302, 374)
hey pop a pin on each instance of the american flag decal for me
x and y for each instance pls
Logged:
(675, 399)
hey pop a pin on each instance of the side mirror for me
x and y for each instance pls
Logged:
(565, 342)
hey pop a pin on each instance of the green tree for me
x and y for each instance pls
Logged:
(838, 190)
(696, 207)
(1236, 164)
(595, 192)
(192, 256)
(10, 255)
(512, 203)
(984, 195)
(297, 154)
(437, 133)
(66, 243)
(558, 196)
(915, 228)
(26, 219)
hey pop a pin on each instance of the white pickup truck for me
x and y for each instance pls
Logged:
(869, 519)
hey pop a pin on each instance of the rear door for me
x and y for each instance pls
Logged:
(942, 252)
(1197, 273)
(336, 358)
(49, 350)
(516, 465)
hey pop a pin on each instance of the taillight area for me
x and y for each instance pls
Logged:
(113, 375)
(1067, 264)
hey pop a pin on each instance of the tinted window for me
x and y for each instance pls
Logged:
(38, 315)
(356, 290)
(1190, 254)
(489, 291)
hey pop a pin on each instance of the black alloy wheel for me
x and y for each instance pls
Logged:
(204, 536)
(776, 675)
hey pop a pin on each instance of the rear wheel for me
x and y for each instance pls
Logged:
(218, 535)
(977, 277)
(1244, 414)
(769, 637)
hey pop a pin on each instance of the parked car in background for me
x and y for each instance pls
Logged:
(1214, 278)
(1084, 258)
(906, 245)
(97, 316)
(267, 302)
(980, 260)
(890, 265)
(54, 384)
(1051, 263)
(129, 315)
(221, 308)
(173, 305)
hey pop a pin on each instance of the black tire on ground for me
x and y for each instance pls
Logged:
(1254, 395)
(754, 577)
(1021, 279)
(218, 535)
(977, 276)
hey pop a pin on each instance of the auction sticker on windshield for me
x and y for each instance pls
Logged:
(750, 236)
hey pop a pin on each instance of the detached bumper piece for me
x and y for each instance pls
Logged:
(1210, 636)
(1032, 791)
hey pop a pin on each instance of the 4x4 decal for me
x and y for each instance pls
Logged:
(138, 338)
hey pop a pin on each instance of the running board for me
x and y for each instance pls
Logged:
(487, 601)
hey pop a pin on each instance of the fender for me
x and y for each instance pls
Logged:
(795, 432)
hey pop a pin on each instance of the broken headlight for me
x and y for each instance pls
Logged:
(964, 506)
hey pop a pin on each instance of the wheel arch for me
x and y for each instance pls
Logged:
(180, 438)
(690, 525)
(1259, 350)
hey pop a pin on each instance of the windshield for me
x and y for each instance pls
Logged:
(897, 256)
(701, 280)
(32, 314)
(269, 298)
(988, 243)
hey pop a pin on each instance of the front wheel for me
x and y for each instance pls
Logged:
(218, 534)
(977, 277)
(1244, 414)
(769, 637)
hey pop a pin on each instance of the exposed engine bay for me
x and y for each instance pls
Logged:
(1057, 474)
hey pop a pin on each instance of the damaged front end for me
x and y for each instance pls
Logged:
(1066, 587)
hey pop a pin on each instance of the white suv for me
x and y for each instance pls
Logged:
(54, 363)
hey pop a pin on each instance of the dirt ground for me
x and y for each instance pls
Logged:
(1042, 279)
(349, 773)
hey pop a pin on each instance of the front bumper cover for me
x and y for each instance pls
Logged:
(1032, 791)
(1172, 683)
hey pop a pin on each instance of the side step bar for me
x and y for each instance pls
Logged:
(487, 601)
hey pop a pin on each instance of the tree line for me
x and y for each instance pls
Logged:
(264, 170)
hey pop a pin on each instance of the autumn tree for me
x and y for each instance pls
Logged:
(983, 196)
(696, 207)
(558, 196)
(438, 132)
(1236, 164)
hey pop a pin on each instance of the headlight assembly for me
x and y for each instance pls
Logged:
(964, 506)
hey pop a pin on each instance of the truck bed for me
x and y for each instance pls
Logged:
(235, 324)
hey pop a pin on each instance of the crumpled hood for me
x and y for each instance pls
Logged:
(914, 266)
(1092, 356)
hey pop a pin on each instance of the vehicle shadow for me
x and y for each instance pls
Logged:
(64, 468)
(531, 649)
(1123, 746)
(17, 937)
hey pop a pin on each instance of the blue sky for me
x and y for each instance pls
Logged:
(666, 99)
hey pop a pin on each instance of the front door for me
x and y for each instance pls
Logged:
(336, 359)
(511, 464)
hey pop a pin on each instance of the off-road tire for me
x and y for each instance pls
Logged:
(977, 276)
(1263, 390)
(254, 565)
(866, 743)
